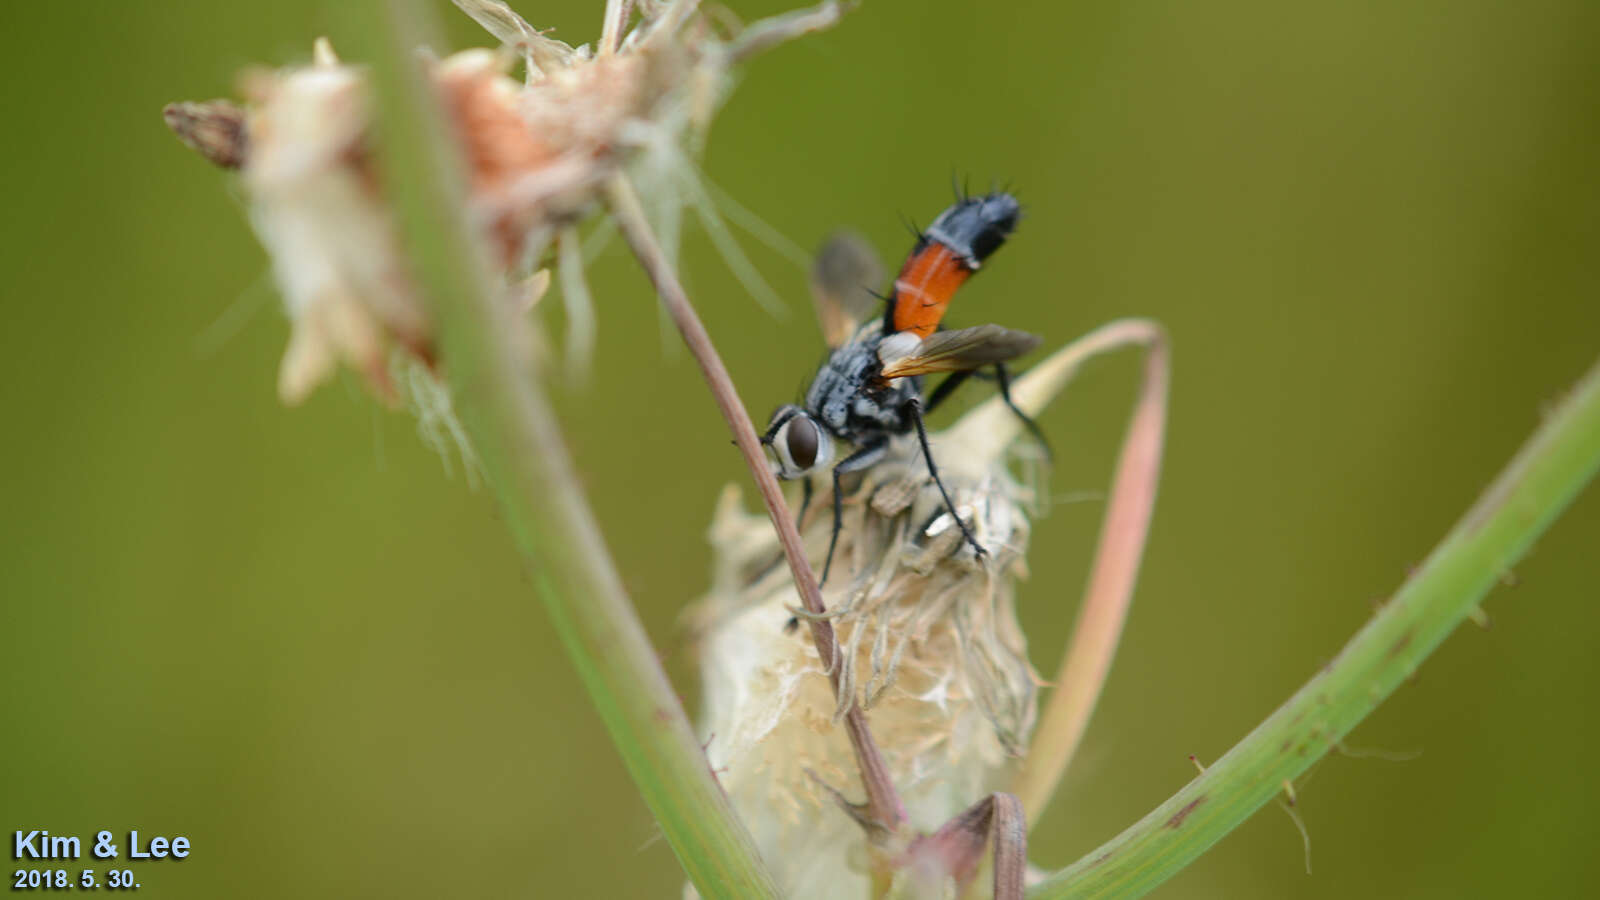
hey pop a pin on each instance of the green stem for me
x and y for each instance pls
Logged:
(1541, 480)
(518, 441)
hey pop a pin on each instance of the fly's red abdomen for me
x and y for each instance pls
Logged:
(951, 249)
(928, 280)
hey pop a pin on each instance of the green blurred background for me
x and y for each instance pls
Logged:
(297, 638)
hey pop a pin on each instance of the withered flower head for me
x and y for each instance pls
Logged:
(931, 647)
(537, 150)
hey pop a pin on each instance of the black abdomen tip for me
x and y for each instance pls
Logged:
(976, 227)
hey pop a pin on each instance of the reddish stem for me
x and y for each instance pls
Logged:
(883, 803)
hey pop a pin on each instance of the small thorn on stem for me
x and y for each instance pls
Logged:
(1288, 804)
(860, 812)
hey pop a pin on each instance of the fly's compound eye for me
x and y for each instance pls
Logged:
(802, 446)
(801, 439)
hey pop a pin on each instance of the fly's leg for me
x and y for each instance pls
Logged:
(945, 389)
(1003, 378)
(855, 462)
(913, 408)
(805, 502)
(838, 522)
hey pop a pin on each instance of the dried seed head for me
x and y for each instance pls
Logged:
(315, 203)
(537, 151)
(931, 647)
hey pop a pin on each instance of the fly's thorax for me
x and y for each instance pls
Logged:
(853, 401)
(828, 398)
(883, 406)
(832, 393)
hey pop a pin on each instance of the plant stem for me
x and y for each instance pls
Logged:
(527, 466)
(883, 803)
(1543, 478)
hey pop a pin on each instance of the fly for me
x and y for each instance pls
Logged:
(870, 388)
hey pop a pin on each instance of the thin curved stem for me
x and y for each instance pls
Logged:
(1095, 635)
(486, 352)
(1544, 477)
(883, 806)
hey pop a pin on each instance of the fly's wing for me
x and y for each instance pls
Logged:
(958, 351)
(843, 277)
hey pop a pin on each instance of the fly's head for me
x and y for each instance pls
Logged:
(799, 441)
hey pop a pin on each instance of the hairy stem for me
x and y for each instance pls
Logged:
(883, 803)
(1543, 478)
(496, 386)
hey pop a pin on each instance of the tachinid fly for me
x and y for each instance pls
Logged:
(870, 388)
